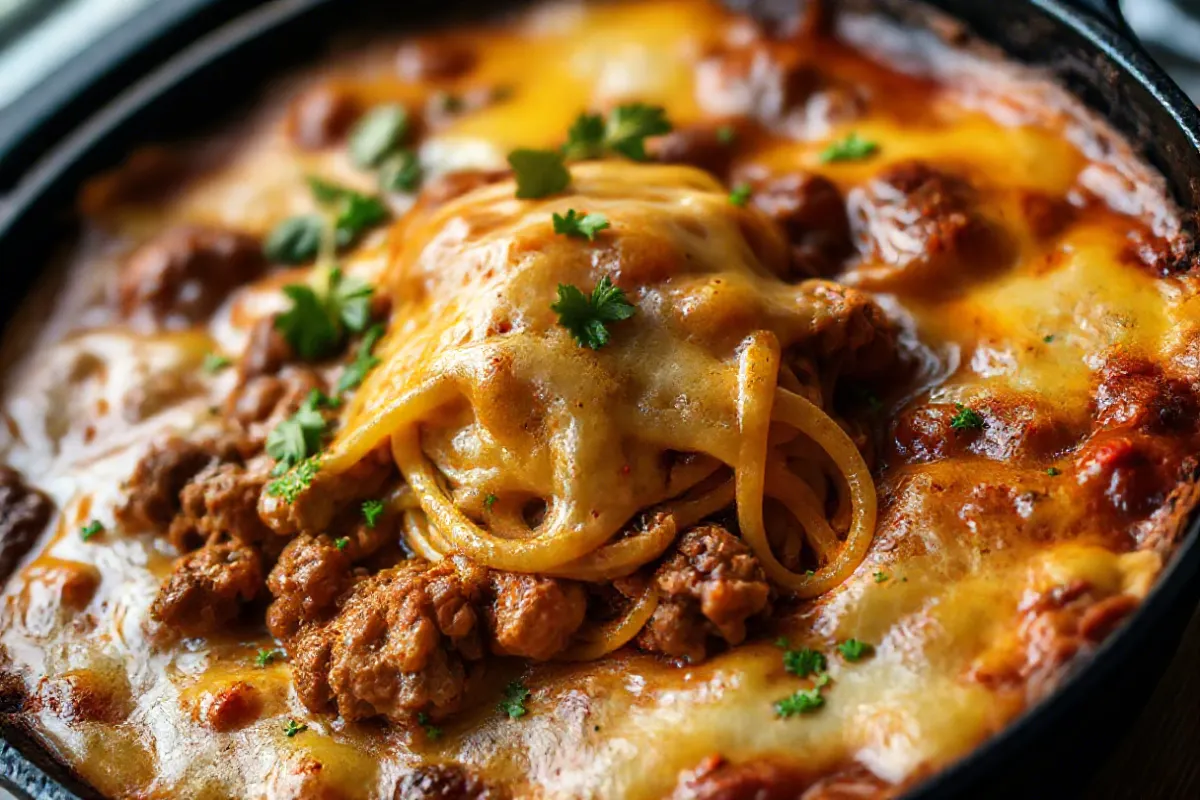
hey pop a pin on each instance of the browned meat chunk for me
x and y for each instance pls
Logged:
(1133, 393)
(24, 512)
(230, 707)
(312, 572)
(432, 60)
(321, 116)
(208, 588)
(850, 328)
(180, 277)
(221, 500)
(445, 782)
(700, 145)
(315, 508)
(921, 229)
(811, 211)
(709, 587)
(534, 617)
(157, 481)
(400, 644)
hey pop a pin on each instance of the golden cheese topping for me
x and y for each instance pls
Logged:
(894, 423)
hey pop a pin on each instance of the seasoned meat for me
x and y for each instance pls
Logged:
(850, 328)
(399, 645)
(230, 707)
(920, 229)
(717, 779)
(1136, 394)
(208, 588)
(312, 572)
(24, 512)
(158, 479)
(700, 145)
(445, 782)
(533, 617)
(266, 351)
(316, 506)
(180, 277)
(432, 60)
(222, 499)
(812, 213)
(321, 116)
(708, 587)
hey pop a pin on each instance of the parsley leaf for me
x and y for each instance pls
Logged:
(93, 528)
(803, 662)
(350, 300)
(629, 126)
(299, 436)
(264, 657)
(726, 134)
(490, 501)
(215, 362)
(852, 148)
(740, 194)
(539, 172)
(585, 139)
(966, 419)
(378, 134)
(371, 510)
(364, 362)
(292, 728)
(584, 226)
(354, 213)
(316, 323)
(585, 317)
(431, 730)
(289, 485)
(513, 702)
(341, 542)
(1048, 338)
(1053, 472)
(804, 701)
(400, 172)
(296, 240)
(880, 576)
(853, 649)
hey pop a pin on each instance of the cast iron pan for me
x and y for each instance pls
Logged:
(1084, 44)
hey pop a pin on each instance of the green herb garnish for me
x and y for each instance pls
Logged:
(264, 657)
(432, 731)
(880, 576)
(288, 486)
(215, 362)
(852, 148)
(296, 240)
(726, 134)
(853, 649)
(316, 324)
(93, 528)
(803, 662)
(586, 317)
(1053, 472)
(341, 542)
(371, 510)
(364, 362)
(581, 226)
(805, 701)
(400, 172)
(490, 501)
(378, 134)
(292, 728)
(966, 419)
(513, 702)
(538, 172)
(299, 436)
(740, 194)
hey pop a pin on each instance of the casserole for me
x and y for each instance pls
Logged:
(1174, 150)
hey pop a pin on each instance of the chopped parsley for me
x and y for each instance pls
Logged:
(264, 657)
(93, 528)
(400, 172)
(538, 172)
(803, 662)
(432, 731)
(783, 642)
(805, 701)
(490, 501)
(371, 510)
(966, 418)
(880, 576)
(513, 701)
(215, 362)
(1053, 472)
(581, 226)
(292, 728)
(740, 194)
(299, 436)
(341, 542)
(853, 649)
(363, 362)
(378, 134)
(624, 132)
(852, 148)
(726, 134)
(316, 323)
(586, 317)
(288, 486)
(296, 240)
(1048, 338)
(353, 213)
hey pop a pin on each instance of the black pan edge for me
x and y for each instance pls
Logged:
(1133, 656)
